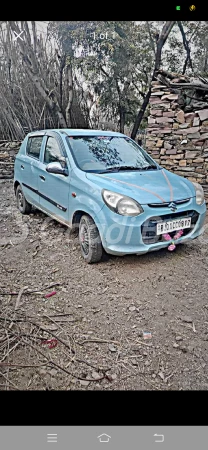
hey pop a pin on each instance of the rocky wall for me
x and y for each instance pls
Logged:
(178, 141)
(8, 151)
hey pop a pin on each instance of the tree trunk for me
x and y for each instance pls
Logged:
(61, 69)
(70, 95)
(140, 114)
(160, 43)
(122, 119)
(187, 48)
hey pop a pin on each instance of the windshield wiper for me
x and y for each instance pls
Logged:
(118, 168)
(150, 167)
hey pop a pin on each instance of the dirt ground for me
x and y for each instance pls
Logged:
(99, 312)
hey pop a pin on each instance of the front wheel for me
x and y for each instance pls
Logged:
(22, 204)
(90, 242)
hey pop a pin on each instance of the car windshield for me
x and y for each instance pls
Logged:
(108, 154)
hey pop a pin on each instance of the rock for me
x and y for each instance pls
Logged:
(154, 100)
(175, 345)
(156, 112)
(204, 136)
(176, 156)
(171, 152)
(151, 120)
(157, 93)
(84, 383)
(167, 145)
(190, 154)
(189, 117)
(187, 319)
(95, 375)
(196, 122)
(164, 120)
(203, 114)
(4, 155)
(159, 143)
(147, 363)
(165, 131)
(132, 308)
(114, 376)
(178, 338)
(163, 105)
(161, 375)
(53, 372)
(51, 327)
(42, 371)
(180, 116)
(182, 162)
(162, 313)
(168, 114)
(134, 362)
(170, 97)
(198, 160)
(188, 130)
(193, 136)
(184, 125)
(112, 348)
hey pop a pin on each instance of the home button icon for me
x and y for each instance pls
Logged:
(104, 437)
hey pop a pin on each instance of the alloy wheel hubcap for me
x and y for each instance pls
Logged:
(84, 239)
(20, 199)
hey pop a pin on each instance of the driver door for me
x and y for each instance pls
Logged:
(54, 188)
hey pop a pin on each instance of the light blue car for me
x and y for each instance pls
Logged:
(106, 187)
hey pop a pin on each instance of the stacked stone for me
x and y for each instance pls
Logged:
(8, 151)
(178, 141)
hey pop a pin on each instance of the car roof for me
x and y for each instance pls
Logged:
(78, 132)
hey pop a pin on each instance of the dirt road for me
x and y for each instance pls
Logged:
(99, 312)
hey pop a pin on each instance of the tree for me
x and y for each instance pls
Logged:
(161, 39)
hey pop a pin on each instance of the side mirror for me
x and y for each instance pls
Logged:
(56, 167)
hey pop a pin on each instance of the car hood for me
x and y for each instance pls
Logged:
(155, 186)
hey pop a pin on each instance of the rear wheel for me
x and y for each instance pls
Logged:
(22, 204)
(90, 242)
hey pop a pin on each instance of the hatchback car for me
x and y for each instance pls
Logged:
(105, 186)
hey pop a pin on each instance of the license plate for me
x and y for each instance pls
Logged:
(173, 225)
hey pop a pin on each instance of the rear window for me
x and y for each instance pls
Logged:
(34, 146)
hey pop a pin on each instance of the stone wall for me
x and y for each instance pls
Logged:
(178, 141)
(8, 151)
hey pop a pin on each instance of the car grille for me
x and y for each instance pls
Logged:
(160, 205)
(148, 228)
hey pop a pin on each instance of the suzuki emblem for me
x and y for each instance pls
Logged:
(173, 206)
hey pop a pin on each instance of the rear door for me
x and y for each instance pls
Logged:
(54, 188)
(29, 166)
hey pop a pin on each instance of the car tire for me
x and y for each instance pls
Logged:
(22, 204)
(89, 239)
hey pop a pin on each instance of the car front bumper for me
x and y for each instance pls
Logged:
(123, 235)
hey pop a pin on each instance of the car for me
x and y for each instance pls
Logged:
(108, 189)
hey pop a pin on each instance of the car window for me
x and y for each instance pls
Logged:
(34, 146)
(92, 153)
(53, 152)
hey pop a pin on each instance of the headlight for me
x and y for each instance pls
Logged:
(199, 193)
(121, 204)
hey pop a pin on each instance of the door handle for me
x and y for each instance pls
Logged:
(22, 167)
(42, 177)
